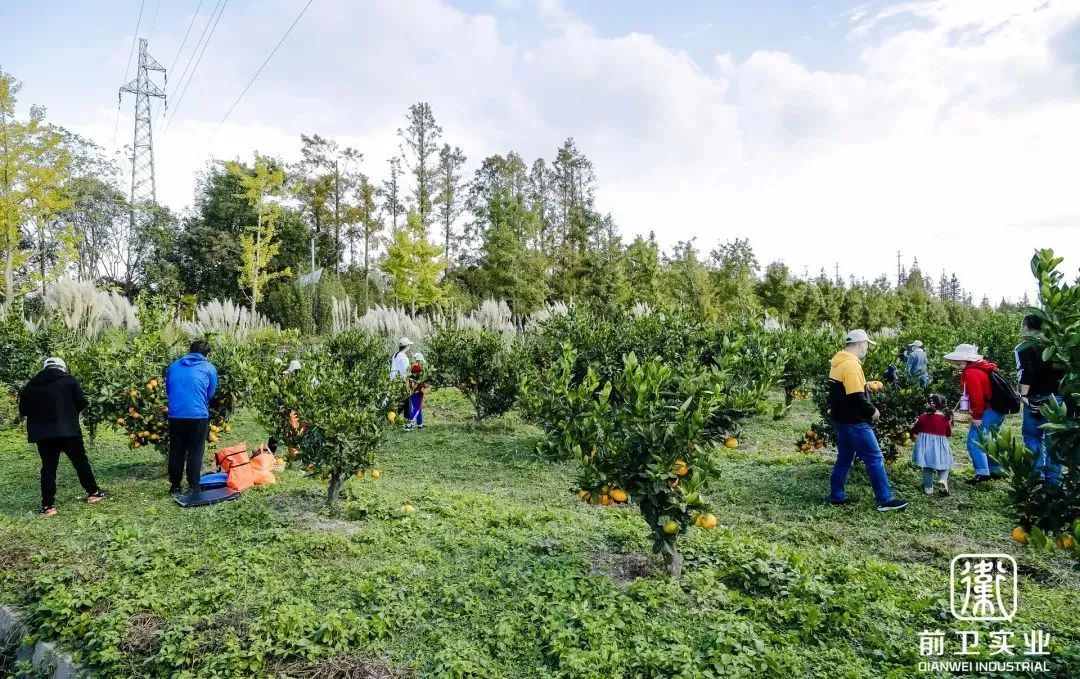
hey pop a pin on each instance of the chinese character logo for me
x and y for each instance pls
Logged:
(984, 587)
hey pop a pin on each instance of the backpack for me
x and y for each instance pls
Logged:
(1003, 398)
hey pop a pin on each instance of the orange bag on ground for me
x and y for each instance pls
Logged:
(263, 464)
(234, 462)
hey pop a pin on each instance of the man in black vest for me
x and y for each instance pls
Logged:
(51, 403)
(1040, 383)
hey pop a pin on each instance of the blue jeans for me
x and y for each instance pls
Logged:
(858, 440)
(983, 463)
(1035, 440)
(416, 409)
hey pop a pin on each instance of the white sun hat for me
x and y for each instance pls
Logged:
(404, 342)
(964, 352)
(917, 344)
(418, 357)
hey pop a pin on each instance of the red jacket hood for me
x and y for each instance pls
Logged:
(985, 366)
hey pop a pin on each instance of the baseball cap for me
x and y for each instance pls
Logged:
(856, 336)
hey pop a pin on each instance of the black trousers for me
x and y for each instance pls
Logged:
(50, 450)
(187, 445)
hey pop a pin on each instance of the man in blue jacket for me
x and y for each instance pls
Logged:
(190, 383)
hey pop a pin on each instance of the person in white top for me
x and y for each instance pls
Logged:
(399, 365)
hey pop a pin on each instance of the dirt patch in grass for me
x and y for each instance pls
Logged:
(297, 510)
(339, 667)
(621, 568)
(142, 639)
(14, 557)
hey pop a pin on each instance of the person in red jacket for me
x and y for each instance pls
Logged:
(975, 384)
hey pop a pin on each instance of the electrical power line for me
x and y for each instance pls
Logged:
(186, 34)
(197, 62)
(264, 63)
(153, 21)
(181, 48)
(127, 69)
(191, 57)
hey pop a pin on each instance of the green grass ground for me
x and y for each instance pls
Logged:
(502, 571)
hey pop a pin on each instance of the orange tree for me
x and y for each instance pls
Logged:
(20, 356)
(483, 364)
(806, 351)
(143, 404)
(642, 436)
(333, 412)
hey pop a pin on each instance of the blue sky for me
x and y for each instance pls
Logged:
(824, 131)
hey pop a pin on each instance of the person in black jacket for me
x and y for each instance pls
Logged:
(51, 403)
(1040, 383)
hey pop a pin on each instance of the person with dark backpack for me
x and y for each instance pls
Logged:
(988, 405)
(51, 403)
(1040, 384)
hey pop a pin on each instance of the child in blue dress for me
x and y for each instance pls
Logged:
(932, 450)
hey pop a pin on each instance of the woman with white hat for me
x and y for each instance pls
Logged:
(399, 364)
(975, 383)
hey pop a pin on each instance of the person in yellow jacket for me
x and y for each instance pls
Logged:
(851, 413)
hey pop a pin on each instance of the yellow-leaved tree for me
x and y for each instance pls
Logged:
(33, 168)
(262, 187)
(413, 265)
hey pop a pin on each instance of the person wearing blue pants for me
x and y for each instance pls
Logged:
(851, 413)
(1040, 384)
(916, 363)
(975, 383)
(414, 406)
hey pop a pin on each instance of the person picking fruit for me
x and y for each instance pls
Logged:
(852, 412)
(51, 402)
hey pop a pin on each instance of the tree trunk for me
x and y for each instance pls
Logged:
(9, 277)
(336, 482)
(41, 254)
(789, 396)
(255, 259)
(673, 561)
(367, 271)
(337, 216)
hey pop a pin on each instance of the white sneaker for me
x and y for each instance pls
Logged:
(929, 491)
(944, 485)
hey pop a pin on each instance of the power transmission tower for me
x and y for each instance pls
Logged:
(143, 183)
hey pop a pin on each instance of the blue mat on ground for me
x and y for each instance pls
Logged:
(206, 497)
(212, 481)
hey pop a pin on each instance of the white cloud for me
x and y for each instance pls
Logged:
(955, 125)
